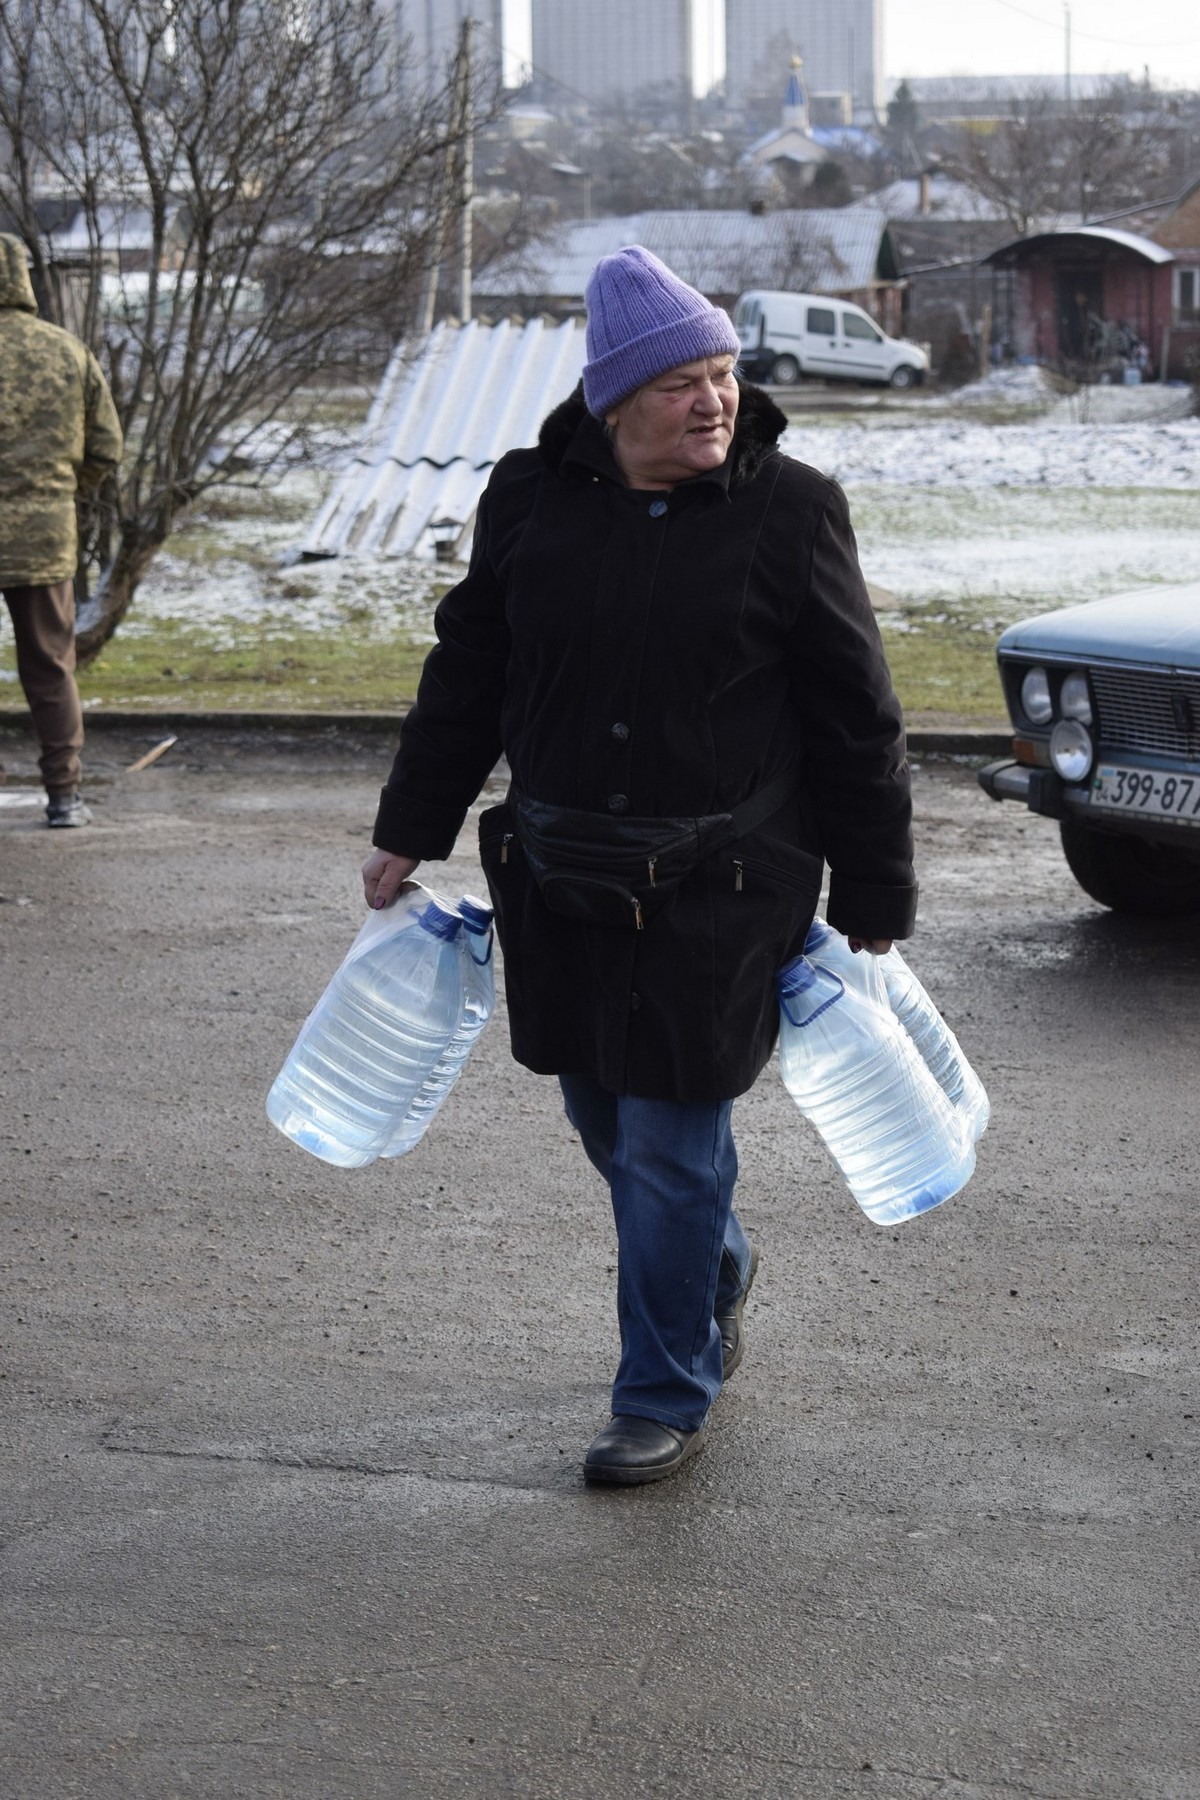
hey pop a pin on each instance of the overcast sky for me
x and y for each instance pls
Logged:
(1028, 37)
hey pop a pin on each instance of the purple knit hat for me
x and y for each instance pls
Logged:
(642, 321)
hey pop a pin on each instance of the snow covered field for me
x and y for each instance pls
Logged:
(1093, 494)
(1078, 496)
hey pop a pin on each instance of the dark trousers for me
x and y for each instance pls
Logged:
(670, 1167)
(44, 627)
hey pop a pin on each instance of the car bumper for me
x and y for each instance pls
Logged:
(1041, 790)
(1044, 792)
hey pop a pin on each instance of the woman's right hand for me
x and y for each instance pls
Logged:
(384, 875)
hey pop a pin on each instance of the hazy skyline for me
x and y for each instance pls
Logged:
(990, 37)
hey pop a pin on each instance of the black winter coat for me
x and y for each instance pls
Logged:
(644, 653)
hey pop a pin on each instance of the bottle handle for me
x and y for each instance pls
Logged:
(481, 962)
(825, 1005)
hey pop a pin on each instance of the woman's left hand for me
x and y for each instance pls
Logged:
(874, 946)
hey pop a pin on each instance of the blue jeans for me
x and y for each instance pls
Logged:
(670, 1167)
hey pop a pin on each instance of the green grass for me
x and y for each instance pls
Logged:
(173, 665)
(944, 669)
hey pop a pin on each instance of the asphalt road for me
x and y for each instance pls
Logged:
(290, 1485)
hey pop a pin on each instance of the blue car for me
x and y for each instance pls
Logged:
(1105, 704)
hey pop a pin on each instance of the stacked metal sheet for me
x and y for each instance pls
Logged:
(446, 411)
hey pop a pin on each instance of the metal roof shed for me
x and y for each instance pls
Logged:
(1084, 298)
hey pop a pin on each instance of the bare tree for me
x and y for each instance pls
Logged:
(796, 254)
(1120, 148)
(1040, 159)
(1019, 163)
(282, 200)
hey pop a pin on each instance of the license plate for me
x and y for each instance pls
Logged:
(1160, 794)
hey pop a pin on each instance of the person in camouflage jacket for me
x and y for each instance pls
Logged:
(59, 436)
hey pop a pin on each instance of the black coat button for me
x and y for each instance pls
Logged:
(657, 508)
(618, 803)
(635, 1000)
(621, 733)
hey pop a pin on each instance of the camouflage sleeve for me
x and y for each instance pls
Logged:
(102, 441)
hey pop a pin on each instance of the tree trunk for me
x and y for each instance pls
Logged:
(103, 611)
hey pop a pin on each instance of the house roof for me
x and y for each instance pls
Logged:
(445, 412)
(947, 199)
(118, 227)
(835, 249)
(1123, 240)
(847, 140)
(924, 243)
(787, 143)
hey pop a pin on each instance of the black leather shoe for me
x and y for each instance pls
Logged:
(733, 1341)
(632, 1449)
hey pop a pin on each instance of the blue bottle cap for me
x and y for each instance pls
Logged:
(795, 978)
(438, 922)
(474, 914)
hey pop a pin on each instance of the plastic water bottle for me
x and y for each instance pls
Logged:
(915, 1011)
(936, 1042)
(853, 1070)
(379, 1030)
(478, 1000)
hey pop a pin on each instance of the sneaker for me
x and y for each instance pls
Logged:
(64, 810)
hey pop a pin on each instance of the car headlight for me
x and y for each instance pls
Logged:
(1070, 750)
(1074, 701)
(1036, 702)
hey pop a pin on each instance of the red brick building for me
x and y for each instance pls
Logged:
(1088, 301)
(1093, 300)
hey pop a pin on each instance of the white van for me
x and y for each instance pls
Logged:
(785, 336)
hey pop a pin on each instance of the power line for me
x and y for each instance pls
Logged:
(1092, 36)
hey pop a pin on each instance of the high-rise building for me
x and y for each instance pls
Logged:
(610, 50)
(841, 42)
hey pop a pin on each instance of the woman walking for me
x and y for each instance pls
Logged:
(665, 631)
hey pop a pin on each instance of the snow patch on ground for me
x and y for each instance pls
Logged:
(250, 574)
(1054, 566)
(1020, 385)
(954, 453)
(1123, 406)
(948, 510)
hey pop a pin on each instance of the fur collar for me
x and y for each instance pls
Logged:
(760, 425)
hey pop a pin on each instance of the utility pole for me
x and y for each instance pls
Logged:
(466, 165)
(460, 163)
(1067, 34)
(688, 95)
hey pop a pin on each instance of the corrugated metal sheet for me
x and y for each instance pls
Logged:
(439, 422)
(828, 248)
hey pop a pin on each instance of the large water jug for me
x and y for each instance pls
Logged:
(376, 1035)
(853, 1070)
(915, 1011)
(477, 997)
